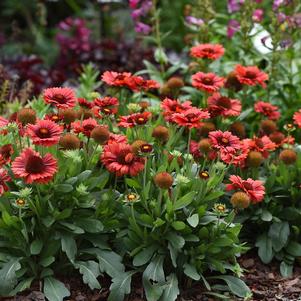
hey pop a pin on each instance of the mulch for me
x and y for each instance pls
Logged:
(264, 280)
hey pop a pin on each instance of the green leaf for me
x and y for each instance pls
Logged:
(184, 201)
(132, 183)
(213, 195)
(171, 291)
(265, 248)
(193, 220)
(144, 256)
(121, 286)
(286, 270)
(176, 240)
(55, 290)
(154, 271)
(22, 285)
(63, 188)
(205, 220)
(84, 175)
(178, 225)
(90, 271)
(266, 215)
(109, 261)
(236, 286)
(45, 262)
(153, 291)
(279, 234)
(89, 225)
(293, 248)
(36, 247)
(191, 271)
(8, 278)
(68, 246)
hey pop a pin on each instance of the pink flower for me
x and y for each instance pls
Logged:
(209, 51)
(224, 141)
(191, 118)
(208, 82)
(62, 98)
(224, 106)
(267, 110)
(172, 106)
(4, 178)
(264, 145)
(250, 75)
(253, 188)
(121, 160)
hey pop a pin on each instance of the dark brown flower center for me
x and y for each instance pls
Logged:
(224, 102)
(125, 157)
(59, 98)
(248, 186)
(44, 133)
(141, 120)
(207, 81)
(208, 50)
(34, 165)
(259, 143)
(250, 74)
(225, 141)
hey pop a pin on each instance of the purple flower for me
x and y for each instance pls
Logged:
(232, 28)
(281, 17)
(194, 21)
(142, 28)
(234, 5)
(278, 3)
(257, 15)
(285, 43)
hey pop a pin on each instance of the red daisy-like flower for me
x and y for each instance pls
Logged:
(134, 119)
(5, 153)
(4, 178)
(267, 110)
(107, 105)
(172, 106)
(208, 82)
(116, 79)
(264, 145)
(86, 126)
(297, 118)
(238, 158)
(250, 75)
(208, 51)
(53, 117)
(62, 98)
(224, 142)
(121, 160)
(117, 138)
(219, 105)
(191, 118)
(253, 188)
(34, 168)
(84, 103)
(138, 83)
(44, 132)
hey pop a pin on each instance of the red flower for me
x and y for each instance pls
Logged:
(254, 189)
(44, 132)
(171, 106)
(3, 122)
(224, 141)
(250, 75)
(116, 138)
(267, 110)
(33, 168)
(116, 79)
(5, 153)
(108, 105)
(53, 117)
(138, 83)
(121, 160)
(134, 119)
(297, 118)
(263, 145)
(208, 82)
(4, 178)
(208, 51)
(191, 118)
(195, 150)
(224, 106)
(62, 98)
(238, 158)
(86, 126)
(84, 103)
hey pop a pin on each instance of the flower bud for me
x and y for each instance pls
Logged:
(161, 133)
(100, 134)
(288, 156)
(268, 126)
(163, 180)
(254, 159)
(240, 200)
(26, 116)
(69, 142)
